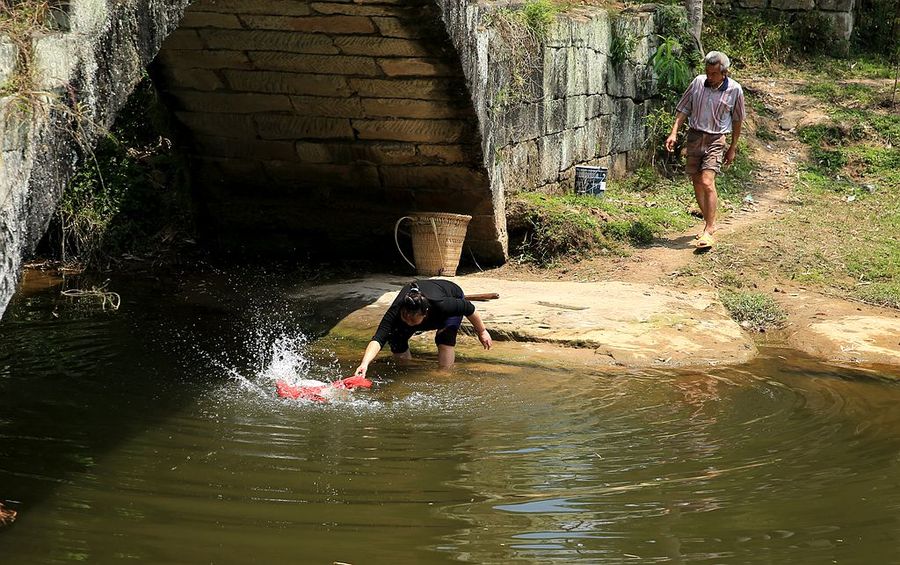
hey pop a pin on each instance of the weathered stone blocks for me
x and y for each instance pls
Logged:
(841, 23)
(407, 67)
(427, 131)
(274, 7)
(210, 19)
(376, 153)
(306, 63)
(231, 102)
(9, 53)
(311, 24)
(287, 83)
(410, 89)
(382, 47)
(263, 40)
(836, 5)
(197, 59)
(792, 4)
(272, 126)
(405, 108)
(223, 125)
(328, 107)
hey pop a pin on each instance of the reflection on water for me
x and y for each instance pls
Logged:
(153, 433)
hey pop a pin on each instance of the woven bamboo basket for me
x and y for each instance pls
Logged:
(437, 240)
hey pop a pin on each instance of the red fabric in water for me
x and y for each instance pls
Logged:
(314, 393)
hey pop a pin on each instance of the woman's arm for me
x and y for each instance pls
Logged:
(483, 336)
(371, 352)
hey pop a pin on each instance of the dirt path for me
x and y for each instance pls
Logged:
(825, 326)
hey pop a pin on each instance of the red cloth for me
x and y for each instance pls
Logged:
(317, 393)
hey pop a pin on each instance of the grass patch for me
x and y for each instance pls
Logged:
(636, 209)
(753, 310)
(882, 294)
(545, 228)
(847, 93)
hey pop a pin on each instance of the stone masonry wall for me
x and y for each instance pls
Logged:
(838, 12)
(583, 108)
(87, 72)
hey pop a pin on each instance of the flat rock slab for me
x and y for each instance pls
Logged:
(595, 324)
(841, 331)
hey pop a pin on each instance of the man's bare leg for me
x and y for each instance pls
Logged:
(446, 356)
(705, 190)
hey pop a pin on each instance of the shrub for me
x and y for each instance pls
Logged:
(130, 192)
(753, 310)
(544, 228)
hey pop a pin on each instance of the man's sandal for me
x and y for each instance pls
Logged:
(705, 241)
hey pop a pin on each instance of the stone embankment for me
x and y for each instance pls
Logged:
(79, 78)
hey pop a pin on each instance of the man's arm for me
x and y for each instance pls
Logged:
(732, 149)
(680, 117)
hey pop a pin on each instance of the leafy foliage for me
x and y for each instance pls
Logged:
(670, 67)
(130, 194)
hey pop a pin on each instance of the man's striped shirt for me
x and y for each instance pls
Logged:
(712, 110)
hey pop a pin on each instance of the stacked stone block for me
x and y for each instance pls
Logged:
(838, 12)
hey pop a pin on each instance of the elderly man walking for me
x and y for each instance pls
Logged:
(713, 106)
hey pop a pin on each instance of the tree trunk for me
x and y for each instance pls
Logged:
(695, 21)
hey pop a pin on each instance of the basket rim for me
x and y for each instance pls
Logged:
(448, 215)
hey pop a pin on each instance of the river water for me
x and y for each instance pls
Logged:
(152, 434)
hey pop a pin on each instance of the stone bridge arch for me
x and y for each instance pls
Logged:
(319, 123)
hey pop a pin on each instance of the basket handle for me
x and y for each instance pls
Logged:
(437, 241)
(397, 241)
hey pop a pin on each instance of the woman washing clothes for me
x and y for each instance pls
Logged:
(421, 306)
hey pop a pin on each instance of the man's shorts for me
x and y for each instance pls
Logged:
(704, 151)
(399, 338)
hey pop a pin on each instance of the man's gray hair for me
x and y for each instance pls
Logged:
(717, 58)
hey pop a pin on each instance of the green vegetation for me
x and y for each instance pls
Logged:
(523, 32)
(19, 20)
(545, 229)
(622, 41)
(841, 229)
(753, 310)
(129, 195)
(538, 15)
(671, 68)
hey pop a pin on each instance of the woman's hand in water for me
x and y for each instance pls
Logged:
(360, 371)
(485, 338)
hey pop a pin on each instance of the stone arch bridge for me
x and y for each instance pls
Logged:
(322, 122)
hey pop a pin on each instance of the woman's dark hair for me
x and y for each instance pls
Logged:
(415, 302)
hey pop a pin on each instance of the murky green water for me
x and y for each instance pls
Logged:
(152, 434)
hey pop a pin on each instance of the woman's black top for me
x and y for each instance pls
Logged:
(445, 300)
